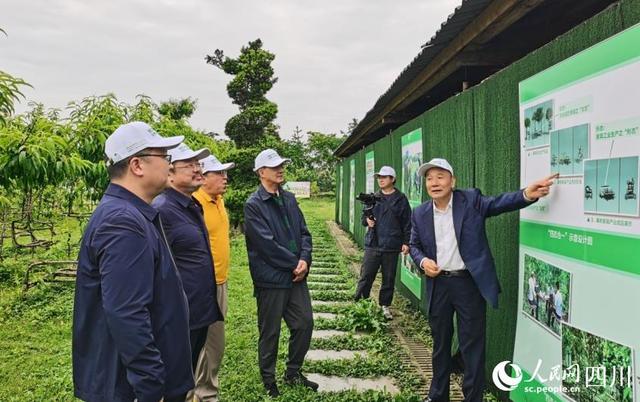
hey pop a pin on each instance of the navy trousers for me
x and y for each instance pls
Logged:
(459, 295)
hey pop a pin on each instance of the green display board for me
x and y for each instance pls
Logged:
(578, 326)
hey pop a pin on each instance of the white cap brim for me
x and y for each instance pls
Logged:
(422, 170)
(274, 163)
(199, 154)
(166, 142)
(219, 168)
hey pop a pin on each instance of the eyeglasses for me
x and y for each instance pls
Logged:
(166, 157)
(192, 166)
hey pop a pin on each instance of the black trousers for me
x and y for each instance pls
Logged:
(459, 295)
(371, 263)
(294, 305)
(197, 337)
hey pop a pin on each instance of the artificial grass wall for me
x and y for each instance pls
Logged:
(478, 132)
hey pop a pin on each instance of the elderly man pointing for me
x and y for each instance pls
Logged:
(449, 243)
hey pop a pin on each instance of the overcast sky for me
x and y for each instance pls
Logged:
(333, 58)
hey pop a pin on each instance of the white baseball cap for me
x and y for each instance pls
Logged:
(435, 162)
(183, 152)
(386, 171)
(131, 138)
(268, 158)
(212, 164)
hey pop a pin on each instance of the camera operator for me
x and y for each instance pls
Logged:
(387, 235)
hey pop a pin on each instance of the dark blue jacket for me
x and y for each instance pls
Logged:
(393, 223)
(470, 210)
(189, 241)
(130, 318)
(270, 260)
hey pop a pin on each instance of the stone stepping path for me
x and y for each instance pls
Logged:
(337, 384)
(323, 277)
(326, 271)
(330, 333)
(322, 281)
(332, 303)
(320, 267)
(333, 291)
(322, 354)
(329, 286)
(325, 316)
(327, 280)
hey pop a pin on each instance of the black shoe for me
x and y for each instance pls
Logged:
(299, 379)
(272, 390)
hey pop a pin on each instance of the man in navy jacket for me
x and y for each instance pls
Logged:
(189, 242)
(279, 249)
(449, 243)
(130, 316)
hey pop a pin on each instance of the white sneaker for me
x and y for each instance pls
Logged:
(387, 313)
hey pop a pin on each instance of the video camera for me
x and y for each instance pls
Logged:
(369, 201)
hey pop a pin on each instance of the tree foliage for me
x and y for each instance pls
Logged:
(38, 150)
(177, 109)
(253, 78)
(9, 94)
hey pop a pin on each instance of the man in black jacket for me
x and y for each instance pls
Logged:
(279, 249)
(387, 235)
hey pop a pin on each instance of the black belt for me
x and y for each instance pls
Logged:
(461, 273)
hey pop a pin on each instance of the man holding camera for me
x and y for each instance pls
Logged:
(387, 235)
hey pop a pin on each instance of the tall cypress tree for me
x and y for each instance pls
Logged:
(253, 78)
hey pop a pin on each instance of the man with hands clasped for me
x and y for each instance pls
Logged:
(449, 243)
(279, 249)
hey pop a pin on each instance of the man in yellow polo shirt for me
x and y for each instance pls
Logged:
(217, 222)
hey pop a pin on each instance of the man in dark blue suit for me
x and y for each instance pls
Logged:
(449, 243)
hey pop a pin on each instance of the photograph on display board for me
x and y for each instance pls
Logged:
(370, 170)
(595, 368)
(538, 122)
(411, 185)
(352, 195)
(547, 292)
(611, 186)
(411, 160)
(569, 148)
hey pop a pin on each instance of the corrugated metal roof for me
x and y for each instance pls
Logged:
(466, 12)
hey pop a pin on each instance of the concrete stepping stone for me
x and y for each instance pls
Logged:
(326, 268)
(330, 285)
(332, 295)
(337, 384)
(325, 265)
(324, 278)
(329, 333)
(325, 272)
(322, 281)
(321, 273)
(342, 303)
(336, 291)
(325, 316)
(322, 354)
